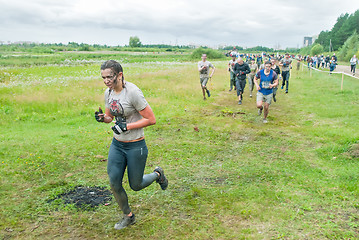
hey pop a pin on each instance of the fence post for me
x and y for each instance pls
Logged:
(342, 81)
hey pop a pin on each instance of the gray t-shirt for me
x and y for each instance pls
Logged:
(205, 72)
(231, 64)
(353, 61)
(287, 63)
(132, 101)
(254, 68)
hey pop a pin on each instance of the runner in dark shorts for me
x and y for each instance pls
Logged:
(203, 68)
(268, 80)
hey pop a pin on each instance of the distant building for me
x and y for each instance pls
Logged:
(307, 41)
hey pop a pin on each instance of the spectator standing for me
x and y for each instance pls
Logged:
(332, 64)
(353, 63)
(327, 60)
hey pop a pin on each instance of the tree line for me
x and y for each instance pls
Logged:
(345, 26)
(343, 38)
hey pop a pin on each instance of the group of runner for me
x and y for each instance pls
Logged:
(127, 108)
(264, 76)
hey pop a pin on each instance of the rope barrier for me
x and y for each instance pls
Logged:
(350, 75)
(342, 73)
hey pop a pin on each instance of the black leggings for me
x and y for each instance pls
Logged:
(134, 156)
(352, 68)
(285, 82)
(240, 85)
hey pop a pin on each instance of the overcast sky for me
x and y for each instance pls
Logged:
(231, 22)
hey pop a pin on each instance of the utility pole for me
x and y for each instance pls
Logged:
(330, 45)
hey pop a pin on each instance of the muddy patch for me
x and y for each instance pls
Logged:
(354, 151)
(229, 113)
(85, 198)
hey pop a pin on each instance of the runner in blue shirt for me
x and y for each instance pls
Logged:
(268, 80)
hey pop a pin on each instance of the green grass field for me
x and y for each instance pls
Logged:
(236, 178)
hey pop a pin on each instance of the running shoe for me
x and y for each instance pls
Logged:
(286, 91)
(125, 222)
(240, 102)
(282, 87)
(260, 111)
(250, 95)
(230, 89)
(208, 93)
(265, 120)
(162, 180)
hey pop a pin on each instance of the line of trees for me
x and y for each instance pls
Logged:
(349, 48)
(73, 46)
(260, 49)
(343, 38)
(345, 26)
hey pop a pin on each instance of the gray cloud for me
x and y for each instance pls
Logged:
(110, 22)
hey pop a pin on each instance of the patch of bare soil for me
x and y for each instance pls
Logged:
(354, 151)
(85, 197)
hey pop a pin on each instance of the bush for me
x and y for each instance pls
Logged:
(316, 49)
(135, 42)
(211, 53)
(305, 50)
(86, 48)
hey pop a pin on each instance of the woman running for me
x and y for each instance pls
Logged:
(125, 102)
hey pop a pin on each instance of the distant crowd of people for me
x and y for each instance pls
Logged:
(322, 61)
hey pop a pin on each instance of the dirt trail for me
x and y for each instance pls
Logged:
(342, 68)
(346, 69)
